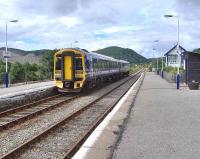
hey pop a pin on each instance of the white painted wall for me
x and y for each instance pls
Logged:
(173, 52)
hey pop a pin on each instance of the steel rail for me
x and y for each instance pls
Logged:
(84, 137)
(13, 110)
(36, 112)
(13, 153)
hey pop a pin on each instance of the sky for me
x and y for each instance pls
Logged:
(96, 24)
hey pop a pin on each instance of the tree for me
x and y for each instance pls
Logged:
(17, 72)
(30, 72)
(2, 70)
(48, 63)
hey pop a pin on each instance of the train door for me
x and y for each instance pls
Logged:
(90, 63)
(68, 73)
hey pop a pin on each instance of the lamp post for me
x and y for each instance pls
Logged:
(154, 50)
(75, 42)
(178, 55)
(162, 75)
(157, 65)
(6, 56)
(157, 57)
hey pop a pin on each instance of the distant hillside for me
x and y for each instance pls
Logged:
(35, 56)
(22, 56)
(123, 54)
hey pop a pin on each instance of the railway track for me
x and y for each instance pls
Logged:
(63, 138)
(20, 114)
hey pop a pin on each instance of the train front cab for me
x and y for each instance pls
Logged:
(69, 70)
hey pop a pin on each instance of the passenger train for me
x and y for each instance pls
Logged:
(76, 69)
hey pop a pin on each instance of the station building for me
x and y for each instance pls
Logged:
(171, 57)
(189, 60)
(192, 66)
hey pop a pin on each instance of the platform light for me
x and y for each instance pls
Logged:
(156, 41)
(6, 53)
(178, 57)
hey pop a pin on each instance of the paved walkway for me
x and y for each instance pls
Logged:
(4, 92)
(164, 123)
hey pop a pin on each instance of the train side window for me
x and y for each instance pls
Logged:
(87, 63)
(101, 64)
(107, 65)
(104, 65)
(95, 64)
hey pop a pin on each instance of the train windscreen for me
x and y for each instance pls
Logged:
(79, 65)
(58, 63)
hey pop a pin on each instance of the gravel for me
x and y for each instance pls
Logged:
(58, 142)
(25, 112)
(19, 134)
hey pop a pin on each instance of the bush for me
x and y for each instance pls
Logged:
(137, 67)
(173, 70)
(30, 72)
(2, 70)
(19, 72)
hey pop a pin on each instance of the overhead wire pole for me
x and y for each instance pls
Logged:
(162, 61)
(178, 46)
(153, 57)
(157, 65)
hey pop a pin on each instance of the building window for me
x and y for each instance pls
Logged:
(172, 59)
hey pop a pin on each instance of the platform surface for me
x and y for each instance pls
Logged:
(5, 92)
(164, 123)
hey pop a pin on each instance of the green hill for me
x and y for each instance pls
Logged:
(123, 54)
(196, 50)
(22, 56)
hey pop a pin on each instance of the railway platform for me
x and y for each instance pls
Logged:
(15, 90)
(163, 123)
(22, 94)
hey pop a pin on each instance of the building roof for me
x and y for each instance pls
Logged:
(174, 48)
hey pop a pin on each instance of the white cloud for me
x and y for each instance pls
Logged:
(116, 29)
(70, 21)
(97, 24)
